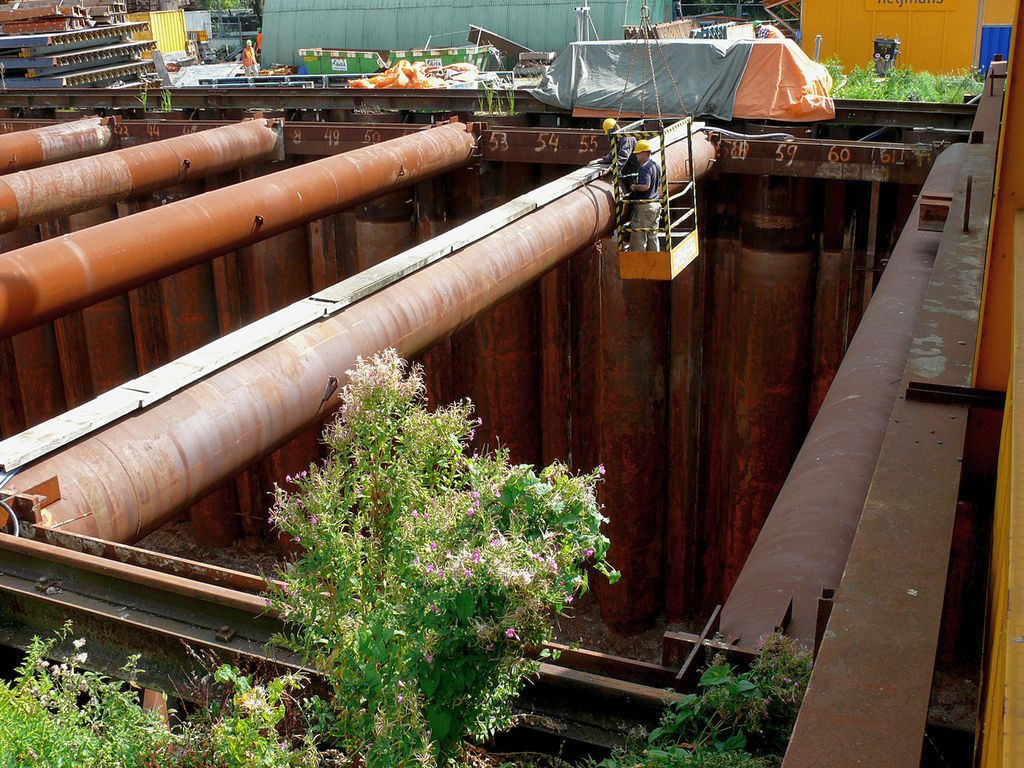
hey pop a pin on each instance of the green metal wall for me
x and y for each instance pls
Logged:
(544, 25)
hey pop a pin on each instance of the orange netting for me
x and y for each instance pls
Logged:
(406, 74)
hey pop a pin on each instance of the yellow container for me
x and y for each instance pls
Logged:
(167, 28)
(936, 36)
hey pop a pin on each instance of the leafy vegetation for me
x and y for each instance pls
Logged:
(426, 569)
(902, 84)
(735, 720)
(58, 714)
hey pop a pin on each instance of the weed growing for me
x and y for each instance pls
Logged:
(426, 570)
(902, 84)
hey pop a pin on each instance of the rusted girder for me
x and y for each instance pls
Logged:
(54, 143)
(54, 277)
(132, 477)
(806, 539)
(41, 194)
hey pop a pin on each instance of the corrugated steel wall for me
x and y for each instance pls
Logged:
(397, 25)
(936, 37)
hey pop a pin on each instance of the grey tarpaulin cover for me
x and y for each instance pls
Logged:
(707, 74)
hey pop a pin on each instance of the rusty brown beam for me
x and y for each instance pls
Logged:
(133, 476)
(54, 277)
(54, 143)
(816, 159)
(54, 191)
(806, 538)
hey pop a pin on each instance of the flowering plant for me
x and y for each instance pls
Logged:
(426, 570)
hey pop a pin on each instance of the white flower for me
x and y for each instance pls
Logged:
(79, 643)
(81, 657)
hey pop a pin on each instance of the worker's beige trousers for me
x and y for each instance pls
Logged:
(644, 226)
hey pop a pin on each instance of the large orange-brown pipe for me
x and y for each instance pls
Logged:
(52, 278)
(134, 476)
(41, 194)
(54, 143)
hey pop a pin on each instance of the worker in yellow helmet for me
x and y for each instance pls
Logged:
(625, 153)
(249, 60)
(645, 194)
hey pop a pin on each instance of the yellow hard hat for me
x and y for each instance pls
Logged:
(643, 146)
(608, 124)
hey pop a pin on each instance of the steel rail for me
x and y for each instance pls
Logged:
(52, 278)
(135, 475)
(38, 195)
(54, 143)
(181, 627)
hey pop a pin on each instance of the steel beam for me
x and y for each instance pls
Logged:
(41, 194)
(55, 277)
(842, 160)
(135, 475)
(54, 143)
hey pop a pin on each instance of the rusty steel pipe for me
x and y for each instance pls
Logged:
(132, 477)
(54, 277)
(806, 539)
(41, 194)
(22, 150)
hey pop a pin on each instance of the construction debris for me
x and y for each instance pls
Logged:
(50, 44)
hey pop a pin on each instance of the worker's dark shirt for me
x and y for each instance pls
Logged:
(623, 156)
(649, 173)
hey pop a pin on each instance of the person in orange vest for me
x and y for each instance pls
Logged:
(259, 42)
(249, 65)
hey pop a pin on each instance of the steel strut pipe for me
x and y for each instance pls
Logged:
(805, 542)
(54, 143)
(132, 477)
(54, 277)
(41, 194)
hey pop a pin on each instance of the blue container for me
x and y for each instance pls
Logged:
(995, 39)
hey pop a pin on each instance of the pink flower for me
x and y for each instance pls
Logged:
(467, 573)
(313, 520)
(511, 633)
(600, 470)
(433, 546)
(470, 512)
(401, 684)
(588, 552)
(430, 658)
(490, 646)
(476, 503)
(298, 539)
(400, 698)
(568, 599)
(475, 494)
(430, 567)
(416, 560)
(476, 556)
(266, 601)
(415, 513)
(495, 543)
(434, 609)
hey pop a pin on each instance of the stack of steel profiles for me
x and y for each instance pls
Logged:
(131, 72)
(100, 55)
(50, 64)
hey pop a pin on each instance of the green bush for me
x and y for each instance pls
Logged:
(902, 84)
(426, 570)
(58, 714)
(735, 720)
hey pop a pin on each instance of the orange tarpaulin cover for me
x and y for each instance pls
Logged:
(781, 83)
